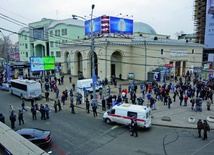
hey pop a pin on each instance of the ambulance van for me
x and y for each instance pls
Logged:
(123, 113)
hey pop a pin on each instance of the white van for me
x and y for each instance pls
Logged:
(27, 89)
(87, 84)
(123, 114)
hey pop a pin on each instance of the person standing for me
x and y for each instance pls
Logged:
(59, 105)
(73, 85)
(94, 108)
(33, 111)
(70, 79)
(181, 99)
(72, 106)
(103, 104)
(12, 119)
(2, 118)
(20, 117)
(55, 106)
(206, 128)
(57, 93)
(193, 101)
(209, 102)
(23, 106)
(47, 110)
(169, 102)
(199, 127)
(87, 105)
(47, 95)
(134, 127)
(42, 110)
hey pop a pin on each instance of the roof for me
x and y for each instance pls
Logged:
(131, 107)
(69, 21)
(143, 28)
(26, 29)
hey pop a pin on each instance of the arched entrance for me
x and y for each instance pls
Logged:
(66, 63)
(78, 61)
(116, 64)
(40, 50)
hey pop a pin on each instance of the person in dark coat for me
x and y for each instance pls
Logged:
(2, 118)
(94, 108)
(55, 106)
(87, 105)
(134, 127)
(206, 128)
(59, 105)
(12, 119)
(103, 104)
(199, 127)
(20, 117)
(42, 110)
(33, 111)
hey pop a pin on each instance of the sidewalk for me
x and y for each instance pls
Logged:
(179, 115)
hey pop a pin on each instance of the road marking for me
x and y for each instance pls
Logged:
(114, 127)
(202, 147)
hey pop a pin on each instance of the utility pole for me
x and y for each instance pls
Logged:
(94, 100)
(106, 66)
(145, 58)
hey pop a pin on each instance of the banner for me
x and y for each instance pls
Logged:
(121, 25)
(42, 63)
(96, 26)
(209, 30)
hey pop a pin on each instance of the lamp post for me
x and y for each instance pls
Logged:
(94, 100)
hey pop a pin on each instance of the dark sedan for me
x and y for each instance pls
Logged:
(36, 136)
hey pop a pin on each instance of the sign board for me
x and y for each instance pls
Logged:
(94, 24)
(121, 25)
(209, 29)
(42, 63)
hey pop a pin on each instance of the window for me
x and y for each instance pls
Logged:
(64, 41)
(51, 44)
(18, 86)
(161, 51)
(57, 43)
(52, 53)
(25, 46)
(57, 32)
(58, 54)
(131, 114)
(193, 51)
(25, 37)
(51, 33)
(26, 54)
(64, 31)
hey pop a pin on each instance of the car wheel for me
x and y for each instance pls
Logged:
(108, 121)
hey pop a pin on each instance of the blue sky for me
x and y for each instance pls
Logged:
(165, 16)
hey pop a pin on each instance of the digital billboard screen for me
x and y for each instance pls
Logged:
(42, 63)
(96, 26)
(121, 25)
(209, 30)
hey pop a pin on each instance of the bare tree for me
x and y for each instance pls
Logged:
(5, 44)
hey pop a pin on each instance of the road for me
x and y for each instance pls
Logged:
(81, 134)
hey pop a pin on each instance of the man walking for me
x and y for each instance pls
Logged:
(23, 106)
(94, 108)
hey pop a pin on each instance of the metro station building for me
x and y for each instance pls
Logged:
(143, 52)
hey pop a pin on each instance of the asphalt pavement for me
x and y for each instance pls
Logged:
(177, 116)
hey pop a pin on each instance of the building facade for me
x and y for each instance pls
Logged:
(44, 37)
(115, 56)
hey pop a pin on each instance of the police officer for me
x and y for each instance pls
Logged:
(134, 127)
(206, 128)
(199, 127)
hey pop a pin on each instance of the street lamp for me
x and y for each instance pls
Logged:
(94, 100)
